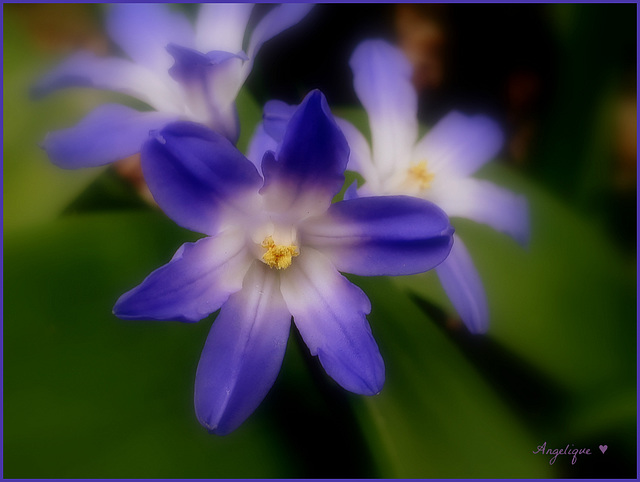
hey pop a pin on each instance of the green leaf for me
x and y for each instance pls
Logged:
(436, 416)
(90, 396)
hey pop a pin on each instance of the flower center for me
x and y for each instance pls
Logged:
(277, 255)
(420, 175)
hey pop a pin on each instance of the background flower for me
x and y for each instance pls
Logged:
(179, 73)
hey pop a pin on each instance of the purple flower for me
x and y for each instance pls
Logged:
(274, 249)
(180, 73)
(437, 167)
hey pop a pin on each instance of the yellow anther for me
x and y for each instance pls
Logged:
(278, 256)
(418, 173)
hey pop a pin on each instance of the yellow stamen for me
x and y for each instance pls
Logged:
(278, 256)
(419, 174)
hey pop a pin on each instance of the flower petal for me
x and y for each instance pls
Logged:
(260, 143)
(459, 145)
(462, 284)
(382, 81)
(195, 174)
(390, 235)
(360, 154)
(194, 284)
(311, 161)
(211, 83)
(243, 353)
(276, 117)
(484, 202)
(329, 312)
(221, 26)
(109, 133)
(87, 70)
(143, 30)
(275, 21)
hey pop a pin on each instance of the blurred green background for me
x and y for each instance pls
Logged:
(87, 395)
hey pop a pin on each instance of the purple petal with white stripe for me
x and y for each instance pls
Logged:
(309, 169)
(485, 202)
(459, 145)
(372, 236)
(330, 313)
(109, 133)
(87, 70)
(144, 30)
(462, 284)
(382, 81)
(194, 284)
(243, 353)
(195, 174)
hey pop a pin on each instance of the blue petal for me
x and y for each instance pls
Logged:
(109, 133)
(193, 66)
(243, 353)
(260, 143)
(194, 284)
(382, 81)
(329, 312)
(195, 173)
(311, 161)
(459, 145)
(221, 26)
(390, 235)
(276, 116)
(144, 30)
(212, 79)
(462, 284)
(485, 202)
(351, 192)
(87, 70)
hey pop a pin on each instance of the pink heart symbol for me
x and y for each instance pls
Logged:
(603, 448)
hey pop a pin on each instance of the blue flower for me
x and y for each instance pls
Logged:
(167, 71)
(436, 167)
(274, 249)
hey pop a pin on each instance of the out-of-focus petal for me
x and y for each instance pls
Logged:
(360, 154)
(211, 83)
(87, 70)
(194, 284)
(276, 116)
(260, 143)
(109, 133)
(196, 174)
(243, 353)
(382, 81)
(221, 26)
(462, 284)
(459, 145)
(143, 30)
(309, 169)
(372, 236)
(275, 21)
(329, 312)
(484, 202)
